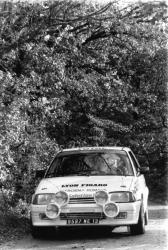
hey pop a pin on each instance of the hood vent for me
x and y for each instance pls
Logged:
(88, 200)
(65, 216)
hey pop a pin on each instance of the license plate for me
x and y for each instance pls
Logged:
(83, 221)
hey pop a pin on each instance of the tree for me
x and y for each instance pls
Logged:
(78, 74)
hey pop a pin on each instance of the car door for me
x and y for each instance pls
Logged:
(140, 185)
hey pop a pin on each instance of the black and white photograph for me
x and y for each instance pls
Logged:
(83, 125)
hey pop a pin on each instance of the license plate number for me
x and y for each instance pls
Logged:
(83, 221)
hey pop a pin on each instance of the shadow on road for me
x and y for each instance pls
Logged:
(85, 233)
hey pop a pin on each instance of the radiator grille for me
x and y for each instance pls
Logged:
(88, 200)
(65, 216)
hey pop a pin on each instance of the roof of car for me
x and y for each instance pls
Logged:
(91, 149)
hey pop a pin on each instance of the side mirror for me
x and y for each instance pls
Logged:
(144, 170)
(40, 173)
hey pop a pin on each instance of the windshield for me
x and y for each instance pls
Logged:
(107, 163)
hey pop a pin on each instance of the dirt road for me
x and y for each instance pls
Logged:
(156, 237)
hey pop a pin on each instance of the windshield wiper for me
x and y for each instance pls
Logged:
(83, 173)
(50, 175)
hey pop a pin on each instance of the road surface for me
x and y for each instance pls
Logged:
(155, 238)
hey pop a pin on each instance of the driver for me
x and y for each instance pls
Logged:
(115, 163)
(97, 164)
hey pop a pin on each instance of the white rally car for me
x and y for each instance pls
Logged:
(96, 186)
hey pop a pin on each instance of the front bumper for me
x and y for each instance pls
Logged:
(128, 215)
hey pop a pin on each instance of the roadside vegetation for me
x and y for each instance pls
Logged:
(80, 74)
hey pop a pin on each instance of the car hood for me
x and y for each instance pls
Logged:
(86, 184)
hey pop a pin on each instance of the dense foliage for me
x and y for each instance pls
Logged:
(76, 74)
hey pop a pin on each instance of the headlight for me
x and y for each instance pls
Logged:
(52, 211)
(61, 198)
(43, 199)
(122, 197)
(101, 197)
(110, 209)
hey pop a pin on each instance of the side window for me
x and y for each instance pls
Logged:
(136, 165)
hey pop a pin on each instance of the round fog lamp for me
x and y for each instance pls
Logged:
(111, 210)
(101, 197)
(52, 211)
(61, 198)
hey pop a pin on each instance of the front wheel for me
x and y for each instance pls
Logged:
(139, 228)
(40, 232)
(36, 232)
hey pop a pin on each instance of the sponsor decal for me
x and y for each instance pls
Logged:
(136, 187)
(83, 185)
(74, 190)
(91, 148)
(83, 190)
(80, 195)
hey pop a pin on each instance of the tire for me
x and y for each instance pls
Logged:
(139, 228)
(146, 217)
(36, 232)
(41, 232)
